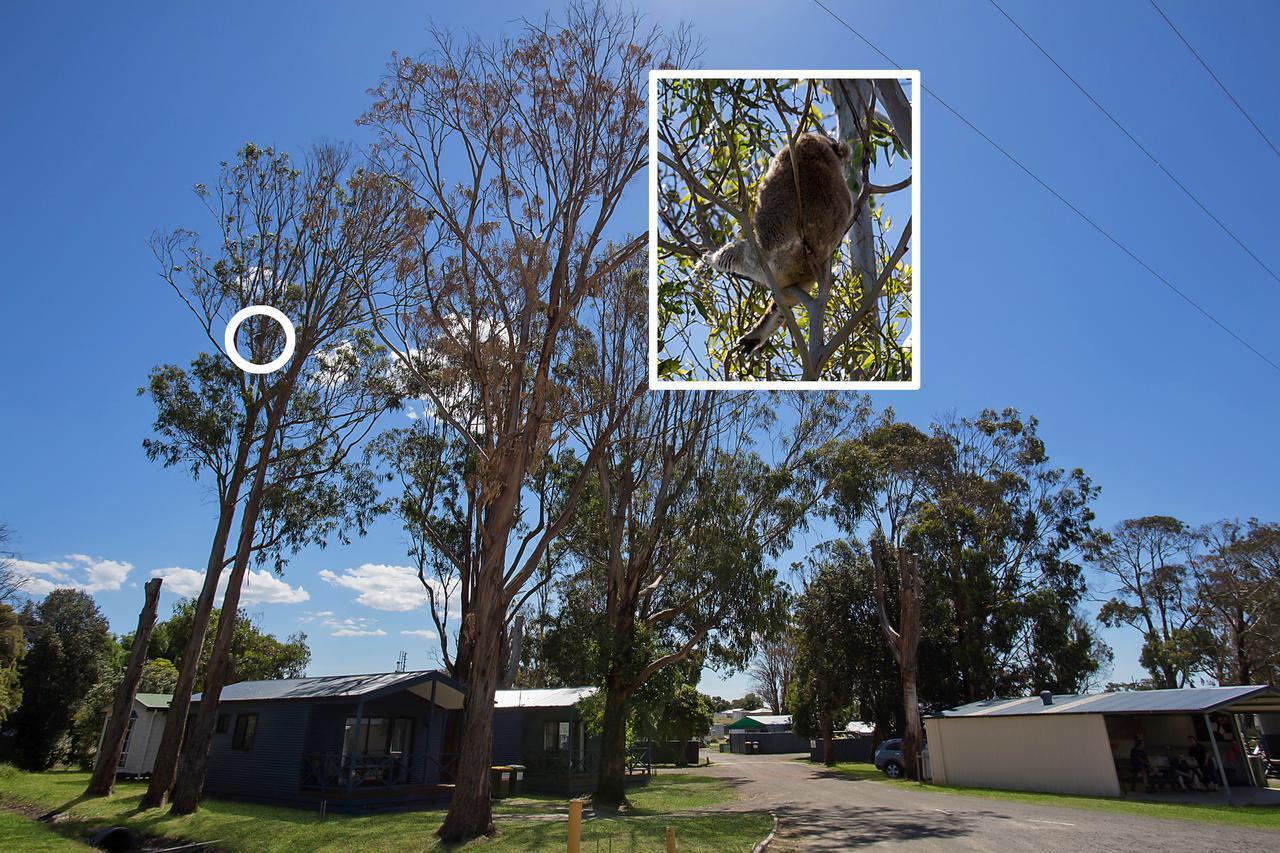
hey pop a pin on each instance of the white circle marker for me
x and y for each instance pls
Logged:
(229, 339)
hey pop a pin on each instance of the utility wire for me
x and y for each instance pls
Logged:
(1135, 141)
(1077, 211)
(1221, 85)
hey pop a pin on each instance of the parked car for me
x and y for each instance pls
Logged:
(888, 757)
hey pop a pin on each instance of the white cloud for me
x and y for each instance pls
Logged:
(426, 635)
(260, 587)
(356, 626)
(382, 587)
(76, 571)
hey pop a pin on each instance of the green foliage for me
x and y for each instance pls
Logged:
(255, 654)
(843, 666)
(686, 716)
(997, 530)
(69, 649)
(1150, 558)
(12, 650)
(1238, 600)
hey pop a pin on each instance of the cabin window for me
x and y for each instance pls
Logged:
(221, 726)
(246, 728)
(555, 736)
(379, 735)
(401, 733)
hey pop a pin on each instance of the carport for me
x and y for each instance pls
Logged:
(1076, 744)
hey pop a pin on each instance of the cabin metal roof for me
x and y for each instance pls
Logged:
(330, 687)
(554, 697)
(761, 720)
(1247, 699)
(157, 701)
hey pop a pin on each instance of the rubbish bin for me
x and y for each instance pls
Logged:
(517, 778)
(724, 747)
(500, 781)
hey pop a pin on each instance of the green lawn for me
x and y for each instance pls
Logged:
(246, 826)
(1257, 817)
(19, 833)
(663, 794)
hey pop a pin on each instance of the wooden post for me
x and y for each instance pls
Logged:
(103, 781)
(431, 717)
(671, 839)
(575, 826)
(357, 747)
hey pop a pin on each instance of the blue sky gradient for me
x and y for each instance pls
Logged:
(113, 112)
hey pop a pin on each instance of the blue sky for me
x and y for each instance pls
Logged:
(112, 113)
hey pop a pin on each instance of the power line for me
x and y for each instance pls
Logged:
(1139, 145)
(1077, 211)
(1221, 85)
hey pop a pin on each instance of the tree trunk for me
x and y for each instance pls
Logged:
(470, 811)
(912, 737)
(828, 735)
(189, 784)
(104, 771)
(611, 790)
(166, 764)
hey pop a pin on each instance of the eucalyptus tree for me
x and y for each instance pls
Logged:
(519, 153)
(304, 240)
(985, 536)
(678, 529)
(1238, 595)
(1148, 560)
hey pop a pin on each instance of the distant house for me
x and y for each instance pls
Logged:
(769, 734)
(543, 731)
(350, 740)
(721, 720)
(1081, 744)
(142, 736)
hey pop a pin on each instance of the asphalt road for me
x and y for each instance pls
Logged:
(820, 810)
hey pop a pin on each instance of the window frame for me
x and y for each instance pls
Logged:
(245, 732)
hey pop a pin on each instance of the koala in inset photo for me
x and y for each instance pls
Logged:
(827, 206)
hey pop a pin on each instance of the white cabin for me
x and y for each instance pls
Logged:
(142, 737)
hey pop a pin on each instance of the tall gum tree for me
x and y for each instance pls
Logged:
(305, 240)
(683, 520)
(519, 153)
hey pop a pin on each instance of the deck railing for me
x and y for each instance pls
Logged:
(332, 770)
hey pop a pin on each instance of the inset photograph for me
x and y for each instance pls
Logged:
(769, 270)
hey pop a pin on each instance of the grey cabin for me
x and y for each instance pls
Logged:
(347, 740)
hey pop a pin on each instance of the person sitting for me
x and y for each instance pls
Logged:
(1186, 774)
(1204, 764)
(1143, 769)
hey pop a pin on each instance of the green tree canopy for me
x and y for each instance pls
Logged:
(69, 648)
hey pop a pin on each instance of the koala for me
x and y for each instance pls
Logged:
(827, 205)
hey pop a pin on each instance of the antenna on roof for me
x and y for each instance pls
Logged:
(402, 661)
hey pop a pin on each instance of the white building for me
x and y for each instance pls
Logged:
(1082, 744)
(142, 737)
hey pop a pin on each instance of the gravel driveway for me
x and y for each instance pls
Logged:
(820, 810)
